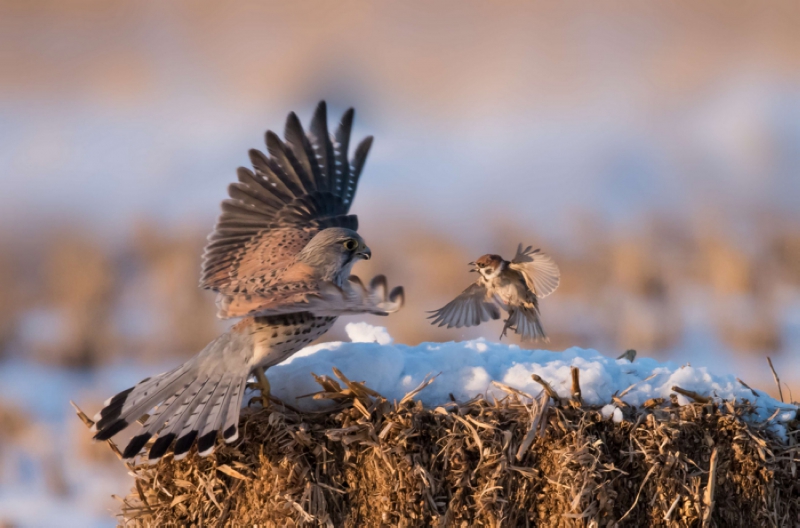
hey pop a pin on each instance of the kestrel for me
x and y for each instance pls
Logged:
(280, 257)
(515, 286)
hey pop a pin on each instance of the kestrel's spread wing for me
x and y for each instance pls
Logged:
(282, 248)
(322, 299)
(540, 272)
(305, 185)
(471, 308)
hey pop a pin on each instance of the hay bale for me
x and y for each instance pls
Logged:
(518, 461)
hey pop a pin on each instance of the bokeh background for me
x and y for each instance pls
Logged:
(652, 148)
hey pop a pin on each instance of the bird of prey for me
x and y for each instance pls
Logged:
(279, 257)
(516, 286)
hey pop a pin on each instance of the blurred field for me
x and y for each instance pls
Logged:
(73, 301)
(653, 149)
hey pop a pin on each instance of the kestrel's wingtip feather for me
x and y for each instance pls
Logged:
(398, 293)
(303, 186)
(378, 278)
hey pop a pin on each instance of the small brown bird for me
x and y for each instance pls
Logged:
(516, 286)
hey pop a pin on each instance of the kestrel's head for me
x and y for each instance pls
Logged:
(333, 251)
(489, 266)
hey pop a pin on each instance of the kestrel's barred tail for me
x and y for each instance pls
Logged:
(194, 401)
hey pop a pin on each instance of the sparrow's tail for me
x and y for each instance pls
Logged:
(194, 401)
(526, 322)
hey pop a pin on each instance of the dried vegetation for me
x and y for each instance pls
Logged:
(516, 461)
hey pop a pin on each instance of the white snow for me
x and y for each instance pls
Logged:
(608, 410)
(466, 369)
(366, 333)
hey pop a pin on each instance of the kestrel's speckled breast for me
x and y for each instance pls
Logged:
(277, 337)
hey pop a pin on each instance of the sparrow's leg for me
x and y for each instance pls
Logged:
(509, 323)
(505, 329)
(263, 384)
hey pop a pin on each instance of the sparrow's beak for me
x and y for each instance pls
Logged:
(474, 269)
(365, 253)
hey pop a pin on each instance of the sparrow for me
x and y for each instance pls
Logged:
(279, 257)
(516, 286)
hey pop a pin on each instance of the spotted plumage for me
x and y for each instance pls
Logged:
(515, 286)
(280, 256)
(306, 185)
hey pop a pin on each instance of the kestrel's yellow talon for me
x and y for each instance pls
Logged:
(263, 385)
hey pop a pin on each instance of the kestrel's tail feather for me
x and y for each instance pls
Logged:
(196, 400)
(203, 422)
(129, 405)
(173, 412)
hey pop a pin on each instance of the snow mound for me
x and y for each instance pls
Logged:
(366, 333)
(468, 368)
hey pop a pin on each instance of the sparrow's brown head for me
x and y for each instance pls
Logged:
(488, 265)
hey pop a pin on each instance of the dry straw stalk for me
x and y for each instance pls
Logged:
(514, 461)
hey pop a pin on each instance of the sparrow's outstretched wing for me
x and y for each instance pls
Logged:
(471, 308)
(306, 184)
(321, 299)
(541, 274)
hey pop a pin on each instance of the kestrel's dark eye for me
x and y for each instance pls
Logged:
(350, 244)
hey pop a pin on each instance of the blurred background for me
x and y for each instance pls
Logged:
(652, 148)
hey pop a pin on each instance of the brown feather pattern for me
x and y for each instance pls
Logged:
(304, 185)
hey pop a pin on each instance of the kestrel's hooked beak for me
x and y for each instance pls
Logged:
(365, 253)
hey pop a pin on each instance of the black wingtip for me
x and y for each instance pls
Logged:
(109, 430)
(398, 293)
(229, 433)
(113, 410)
(347, 118)
(355, 279)
(206, 441)
(319, 122)
(241, 173)
(365, 145)
(377, 280)
(360, 156)
(135, 445)
(184, 443)
(293, 126)
(293, 117)
(121, 397)
(160, 446)
(272, 139)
